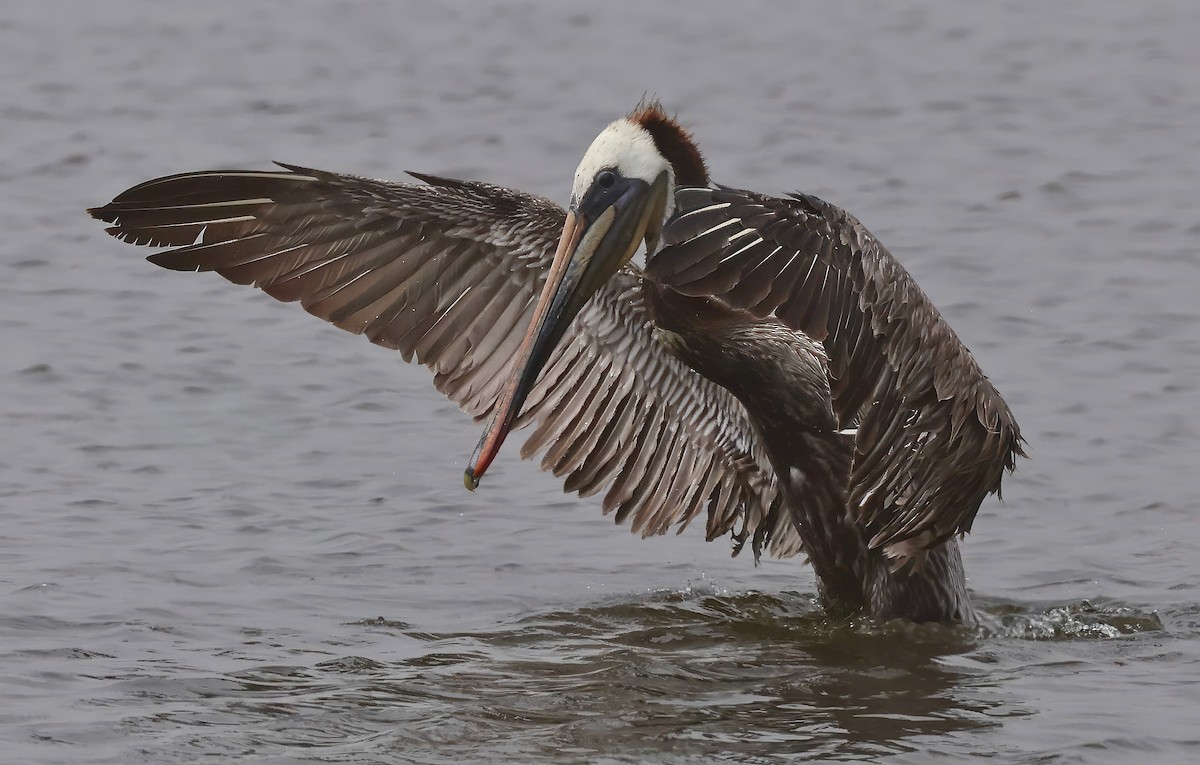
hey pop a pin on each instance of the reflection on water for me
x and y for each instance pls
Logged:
(671, 678)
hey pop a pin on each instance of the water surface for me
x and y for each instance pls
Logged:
(232, 533)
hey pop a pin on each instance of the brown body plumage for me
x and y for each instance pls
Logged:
(774, 367)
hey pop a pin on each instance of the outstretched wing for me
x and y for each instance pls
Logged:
(447, 272)
(614, 407)
(934, 437)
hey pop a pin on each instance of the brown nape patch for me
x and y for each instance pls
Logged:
(673, 142)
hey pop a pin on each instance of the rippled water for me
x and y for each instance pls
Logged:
(232, 533)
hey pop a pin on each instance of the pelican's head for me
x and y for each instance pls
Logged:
(623, 193)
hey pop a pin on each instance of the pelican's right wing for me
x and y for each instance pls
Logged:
(613, 406)
(448, 272)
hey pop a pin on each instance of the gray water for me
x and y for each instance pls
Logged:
(234, 534)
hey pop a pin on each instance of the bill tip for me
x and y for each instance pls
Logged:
(469, 480)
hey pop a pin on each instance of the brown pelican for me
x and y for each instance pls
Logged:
(772, 365)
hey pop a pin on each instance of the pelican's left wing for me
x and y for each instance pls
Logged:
(448, 272)
(933, 435)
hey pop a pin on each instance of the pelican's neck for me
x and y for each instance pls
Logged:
(674, 143)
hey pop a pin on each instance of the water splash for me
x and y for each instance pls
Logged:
(1084, 620)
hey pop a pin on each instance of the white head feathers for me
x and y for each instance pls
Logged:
(629, 149)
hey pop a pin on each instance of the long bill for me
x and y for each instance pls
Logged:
(600, 236)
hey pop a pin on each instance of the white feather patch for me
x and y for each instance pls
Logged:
(629, 149)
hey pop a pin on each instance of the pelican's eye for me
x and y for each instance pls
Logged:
(606, 179)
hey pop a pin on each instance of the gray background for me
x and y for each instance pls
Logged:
(231, 531)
